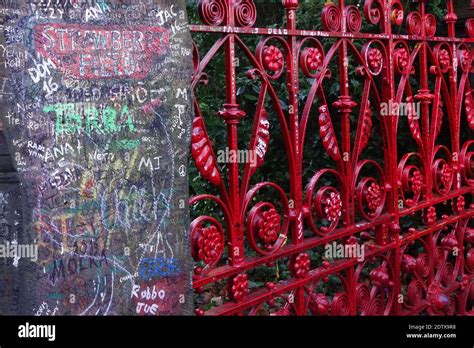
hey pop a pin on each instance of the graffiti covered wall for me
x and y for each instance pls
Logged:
(96, 119)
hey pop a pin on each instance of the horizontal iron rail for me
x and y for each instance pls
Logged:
(321, 34)
(261, 295)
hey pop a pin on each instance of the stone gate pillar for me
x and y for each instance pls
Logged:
(96, 110)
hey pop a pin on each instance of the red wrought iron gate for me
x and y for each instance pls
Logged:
(406, 213)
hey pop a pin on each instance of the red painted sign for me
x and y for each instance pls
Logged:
(98, 52)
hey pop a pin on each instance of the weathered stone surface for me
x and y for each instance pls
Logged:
(96, 111)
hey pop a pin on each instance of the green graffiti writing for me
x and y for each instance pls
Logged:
(75, 118)
(126, 144)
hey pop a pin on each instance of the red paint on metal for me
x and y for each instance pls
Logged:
(426, 268)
